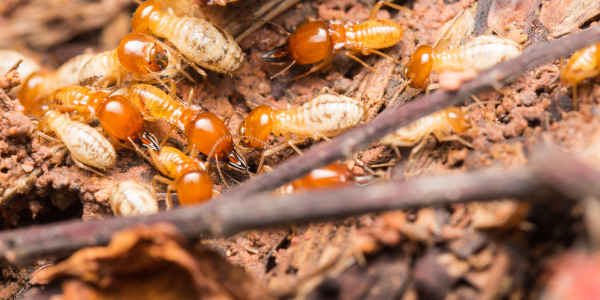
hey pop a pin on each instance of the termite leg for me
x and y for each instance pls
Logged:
(326, 91)
(491, 31)
(169, 183)
(431, 87)
(281, 72)
(195, 12)
(82, 166)
(316, 68)
(382, 54)
(43, 135)
(54, 149)
(167, 137)
(290, 143)
(378, 5)
(190, 95)
(349, 54)
(452, 138)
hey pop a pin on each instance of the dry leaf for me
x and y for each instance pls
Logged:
(150, 263)
(564, 16)
(454, 30)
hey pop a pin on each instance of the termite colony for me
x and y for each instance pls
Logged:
(124, 89)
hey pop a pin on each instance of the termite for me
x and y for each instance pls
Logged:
(198, 40)
(444, 125)
(317, 41)
(325, 116)
(584, 63)
(41, 83)
(119, 118)
(203, 129)
(191, 181)
(483, 52)
(129, 198)
(87, 146)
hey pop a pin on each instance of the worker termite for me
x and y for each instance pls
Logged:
(198, 40)
(325, 116)
(41, 83)
(203, 129)
(129, 198)
(191, 181)
(317, 41)
(87, 146)
(584, 63)
(443, 125)
(119, 118)
(479, 54)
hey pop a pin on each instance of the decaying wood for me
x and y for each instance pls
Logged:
(553, 174)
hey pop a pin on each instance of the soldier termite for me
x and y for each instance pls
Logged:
(444, 125)
(317, 41)
(584, 63)
(191, 181)
(198, 40)
(41, 83)
(481, 53)
(325, 116)
(203, 129)
(129, 198)
(87, 146)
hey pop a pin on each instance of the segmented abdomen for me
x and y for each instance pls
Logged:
(103, 68)
(328, 115)
(481, 53)
(153, 102)
(583, 64)
(373, 34)
(171, 158)
(68, 73)
(85, 144)
(128, 198)
(201, 42)
(71, 98)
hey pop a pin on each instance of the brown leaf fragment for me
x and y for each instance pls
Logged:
(508, 17)
(454, 30)
(150, 263)
(564, 16)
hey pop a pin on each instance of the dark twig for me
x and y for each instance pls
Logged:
(551, 175)
(357, 139)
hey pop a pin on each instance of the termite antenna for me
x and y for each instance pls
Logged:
(280, 72)
(164, 85)
(42, 105)
(33, 117)
(236, 112)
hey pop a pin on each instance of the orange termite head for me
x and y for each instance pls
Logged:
(309, 44)
(206, 132)
(121, 119)
(146, 12)
(458, 119)
(257, 124)
(140, 54)
(193, 187)
(32, 87)
(419, 66)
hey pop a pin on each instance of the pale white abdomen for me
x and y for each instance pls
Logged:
(102, 69)
(327, 115)
(128, 198)
(201, 42)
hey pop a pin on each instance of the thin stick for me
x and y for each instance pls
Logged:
(285, 5)
(539, 180)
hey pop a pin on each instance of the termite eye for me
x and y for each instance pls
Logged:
(278, 54)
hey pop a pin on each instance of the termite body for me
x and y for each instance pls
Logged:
(129, 198)
(203, 129)
(584, 63)
(198, 40)
(191, 181)
(325, 116)
(333, 175)
(317, 41)
(119, 117)
(102, 70)
(441, 124)
(87, 146)
(479, 54)
(41, 83)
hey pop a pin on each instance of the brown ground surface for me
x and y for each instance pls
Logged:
(498, 250)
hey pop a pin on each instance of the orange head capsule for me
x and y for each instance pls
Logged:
(257, 124)
(458, 119)
(205, 131)
(122, 120)
(140, 54)
(333, 175)
(419, 66)
(193, 187)
(32, 87)
(309, 44)
(147, 11)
